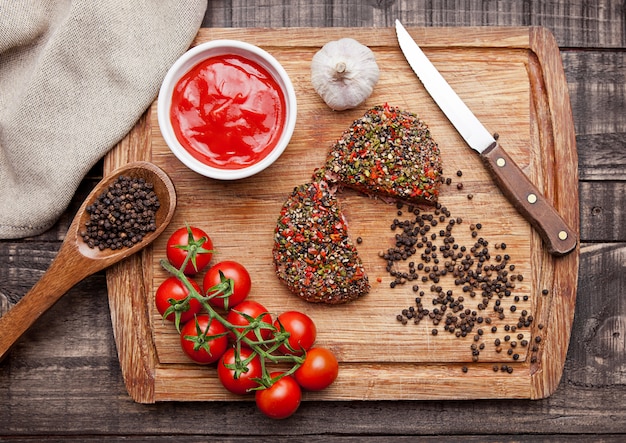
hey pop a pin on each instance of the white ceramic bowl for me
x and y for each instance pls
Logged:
(220, 48)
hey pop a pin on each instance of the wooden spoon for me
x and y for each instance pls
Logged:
(76, 260)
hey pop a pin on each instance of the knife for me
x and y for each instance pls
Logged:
(524, 196)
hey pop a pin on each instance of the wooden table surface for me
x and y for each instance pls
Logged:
(63, 380)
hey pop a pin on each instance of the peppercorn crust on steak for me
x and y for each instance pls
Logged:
(313, 254)
(389, 153)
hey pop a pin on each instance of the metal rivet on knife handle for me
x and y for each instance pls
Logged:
(527, 199)
(501, 162)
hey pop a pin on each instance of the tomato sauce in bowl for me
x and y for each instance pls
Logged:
(228, 112)
(227, 109)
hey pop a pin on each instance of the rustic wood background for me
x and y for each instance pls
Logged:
(63, 381)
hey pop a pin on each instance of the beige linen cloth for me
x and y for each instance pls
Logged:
(75, 75)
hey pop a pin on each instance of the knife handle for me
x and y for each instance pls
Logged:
(527, 199)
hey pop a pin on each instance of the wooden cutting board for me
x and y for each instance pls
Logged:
(513, 80)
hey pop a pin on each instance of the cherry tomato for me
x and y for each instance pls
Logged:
(189, 240)
(219, 273)
(204, 340)
(235, 381)
(172, 290)
(319, 370)
(280, 400)
(237, 317)
(302, 331)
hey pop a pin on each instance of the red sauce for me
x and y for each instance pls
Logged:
(228, 112)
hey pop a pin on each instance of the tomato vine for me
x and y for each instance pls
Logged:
(266, 349)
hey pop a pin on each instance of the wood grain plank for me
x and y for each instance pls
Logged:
(576, 23)
(598, 357)
(602, 157)
(602, 213)
(379, 438)
(597, 87)
(32, 259)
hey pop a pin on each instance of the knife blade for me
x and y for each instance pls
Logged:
(559, 238)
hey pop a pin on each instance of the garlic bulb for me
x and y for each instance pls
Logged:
(344, 73)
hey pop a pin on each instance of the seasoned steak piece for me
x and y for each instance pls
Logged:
(390, 153)
(313, 254)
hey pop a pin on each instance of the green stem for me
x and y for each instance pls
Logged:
(264, 348)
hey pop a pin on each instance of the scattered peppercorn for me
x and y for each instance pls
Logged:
(122, 215)
(421, 255)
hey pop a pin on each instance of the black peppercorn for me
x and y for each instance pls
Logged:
(472, 270)
(122, 215)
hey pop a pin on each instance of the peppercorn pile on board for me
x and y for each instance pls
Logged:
(496, 309)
